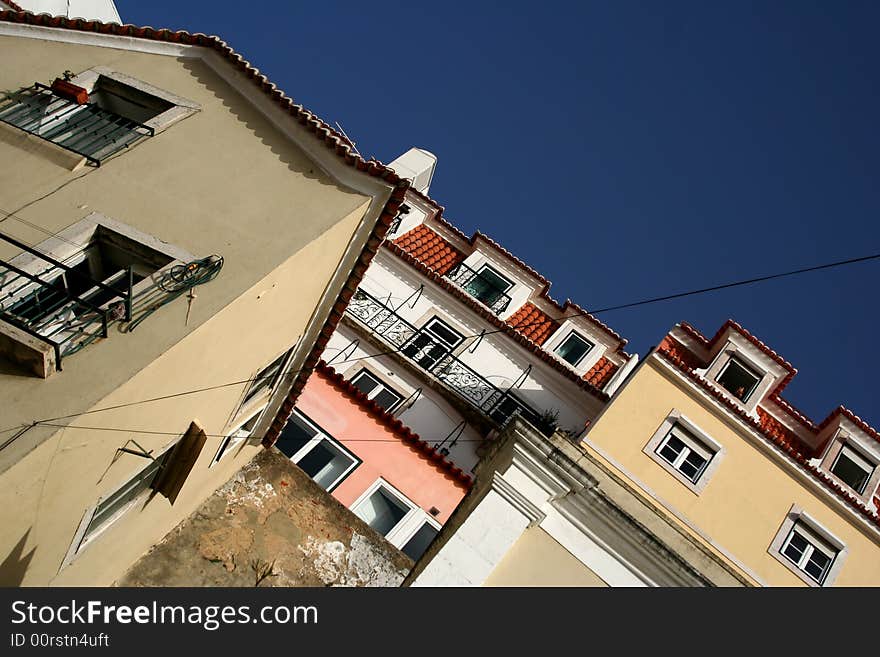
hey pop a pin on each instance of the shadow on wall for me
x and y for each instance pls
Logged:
(256, 122)
(16, 563)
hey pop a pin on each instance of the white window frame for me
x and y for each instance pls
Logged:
(694, 437)
(80, 541)
(436, 320)
(237, 436)
(409, 524)
(759, 376)
(316, 440)
(574, 334)
(381, 385)
(249, 399)
(814, 533)
(860, 459)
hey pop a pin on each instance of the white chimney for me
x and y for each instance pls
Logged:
(418, 165)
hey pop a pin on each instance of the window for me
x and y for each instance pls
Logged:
(433, 341)
(374, 389)
(237, 437)
(398, 519)
(573, 348)
(415, 547)
(685, 451)
(808, 552)
(685, 454)
(488, 286)
(326, 461)
(95, 114)
(853, 469)
(267, 378)
(111, 507)
(738, 379)
(67, 294)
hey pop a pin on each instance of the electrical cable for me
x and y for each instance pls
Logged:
(642, 302)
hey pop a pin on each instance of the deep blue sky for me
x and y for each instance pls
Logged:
(623, 149)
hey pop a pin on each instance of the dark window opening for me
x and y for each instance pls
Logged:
(739, 380)
(853, 469)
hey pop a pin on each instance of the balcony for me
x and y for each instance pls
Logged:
(481, 287)
(435, 358)
(83, 128)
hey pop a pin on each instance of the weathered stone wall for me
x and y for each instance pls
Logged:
(270, 513)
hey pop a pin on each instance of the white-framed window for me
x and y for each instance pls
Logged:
(488, 285)
(237, 436)
(808, 549)
(738, 379)
(397, 518)
(685, 451)
(266, 379)
(808, 552)
(853, 468)
(381, 393)
(433, 341)
(324, 459)
(573, 349)
(112, 506)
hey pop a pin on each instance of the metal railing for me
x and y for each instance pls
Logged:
(87, 130)
(481, 288)
(40, 303)
(436, 359)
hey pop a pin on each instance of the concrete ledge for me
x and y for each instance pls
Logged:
(25, 350)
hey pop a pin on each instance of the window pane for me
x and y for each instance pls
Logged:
(738, 380)
(386, 399)
(795, 547)
(573, 349)
(851, 471)
(817, 565)
(134, 487)
(415, 547)
(444, 333)
(671, 449)
(487, 286)
(381, 511)
(294, 436)
(692, 466)
(365, 382)
(325, 463)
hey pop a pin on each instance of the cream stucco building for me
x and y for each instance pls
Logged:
(178, 240)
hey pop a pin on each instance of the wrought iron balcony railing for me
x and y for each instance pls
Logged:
(483, 289)
(436, 359)
(85, 129)
(44, 304)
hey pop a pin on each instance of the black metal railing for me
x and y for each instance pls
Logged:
(480, 287)
(435, 358)
(87, 130)
(40, 303)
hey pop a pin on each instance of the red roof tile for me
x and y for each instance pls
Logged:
(533, 323)
(777, 433)
(399, 429)
(430, 248)
(600, 373)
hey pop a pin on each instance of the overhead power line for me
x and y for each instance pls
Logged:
(642, 302)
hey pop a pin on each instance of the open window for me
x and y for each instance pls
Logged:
(738, 379)
(264, 381)
(853, 468)
(369, 384)
(237, 436)
(573, 349)
(326, 461)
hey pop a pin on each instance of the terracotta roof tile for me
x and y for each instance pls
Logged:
(430, 248)
(777, 433)
(601, 372)
(533, 323)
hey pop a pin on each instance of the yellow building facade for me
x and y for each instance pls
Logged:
(153, 155)
(702, 428)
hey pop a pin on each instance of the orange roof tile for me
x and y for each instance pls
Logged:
(533, 323)
(601, 372)
(429, 248)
